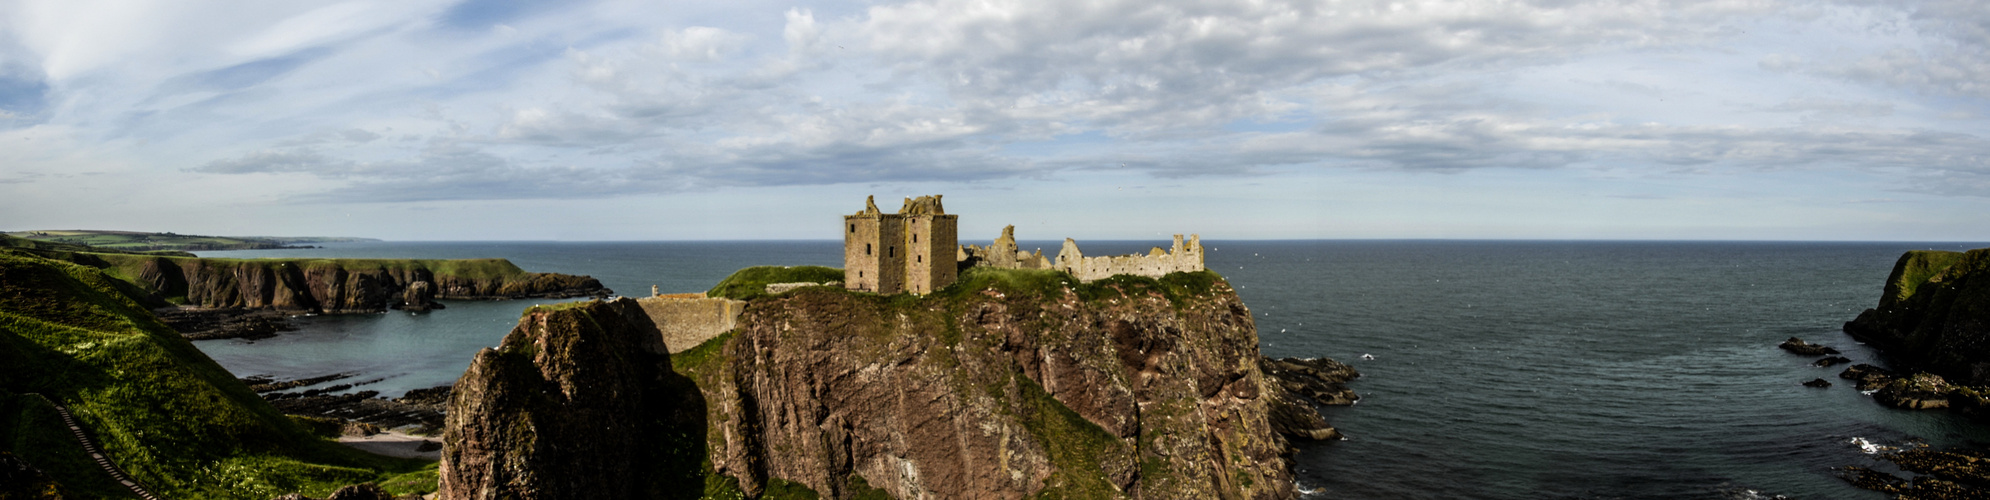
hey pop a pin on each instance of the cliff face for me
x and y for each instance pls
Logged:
(1935, 314)
(1127, 387)
(341, 285)
(575, 403)
(1011, 384)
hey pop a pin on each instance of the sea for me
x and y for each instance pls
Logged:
(1490, 369)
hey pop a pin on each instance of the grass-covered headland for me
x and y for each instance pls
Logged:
(142, 241)
(176, 421)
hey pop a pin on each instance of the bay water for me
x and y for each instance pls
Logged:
(1500, 370)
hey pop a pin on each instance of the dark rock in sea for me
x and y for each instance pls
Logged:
(424, 412)
(1798, 346)
(417, 297)
(1942, 475)
(1868, 377)
(436, 397)
(1832, 360)
(1321, 379)
(1918, 392)
(197, 323)
(1817, 382)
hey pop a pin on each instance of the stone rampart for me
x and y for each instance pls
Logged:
(687, 322)
(1184, 257)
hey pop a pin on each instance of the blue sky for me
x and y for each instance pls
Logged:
(612, 120)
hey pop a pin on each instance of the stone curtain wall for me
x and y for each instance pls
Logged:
(1183, 257)
(688, 322)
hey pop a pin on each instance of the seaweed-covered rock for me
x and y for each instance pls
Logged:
(1831, 361)
(1798, 346)
(1818, 383)
(1918, 392)
(1867, 377)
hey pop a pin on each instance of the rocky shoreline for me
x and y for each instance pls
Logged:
(420, 411)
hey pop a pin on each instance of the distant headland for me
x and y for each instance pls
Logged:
(148, 242)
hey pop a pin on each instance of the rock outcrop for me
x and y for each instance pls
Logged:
(335, 286)
(575, 403)
(1015, 384)
(1799, 347)
(1934, 315)
(1002, 392)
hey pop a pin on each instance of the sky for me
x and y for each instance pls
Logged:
(626, 120)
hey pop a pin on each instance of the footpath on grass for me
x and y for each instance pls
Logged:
(90, 447)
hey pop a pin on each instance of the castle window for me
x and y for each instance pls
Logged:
(922, 259)
(853, 228)
(891, 252)
(867, 249)
(915, 237)
(860, 274)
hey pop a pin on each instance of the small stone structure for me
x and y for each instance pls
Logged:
(913, 250)
(689, 319)
(1157, 263)
(1003, 254)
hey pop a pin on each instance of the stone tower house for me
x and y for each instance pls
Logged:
(915, 250)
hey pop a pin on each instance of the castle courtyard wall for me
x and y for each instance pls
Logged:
(687, 322)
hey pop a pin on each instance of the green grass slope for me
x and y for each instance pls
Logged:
(161, 409)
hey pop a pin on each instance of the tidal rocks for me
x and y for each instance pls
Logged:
(1868, 377)
(199, 323)
(1942, 475)
(1798, 346)
(1818, 383)
(1321, 379)
(1918, 392)
(363, 407)
(1831, 360)
(574, 403)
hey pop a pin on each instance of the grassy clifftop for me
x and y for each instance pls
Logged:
(159, 408)
(1935, 314)
(143, 241)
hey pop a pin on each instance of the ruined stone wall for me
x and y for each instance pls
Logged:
(1183, 257)
(1003, 253)
(687, 322)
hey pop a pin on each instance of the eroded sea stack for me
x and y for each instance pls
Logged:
(1011, 384)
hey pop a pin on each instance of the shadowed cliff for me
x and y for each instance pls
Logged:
(1009, 384)
(1934, 315)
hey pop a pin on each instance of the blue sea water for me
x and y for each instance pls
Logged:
(1501, 370)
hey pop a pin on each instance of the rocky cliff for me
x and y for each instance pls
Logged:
(1011, 384)
(1934, 315)
(574, 403)
(335, 286)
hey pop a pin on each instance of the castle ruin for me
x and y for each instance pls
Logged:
(917, 250)
(914, 250)
(1182, 258)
